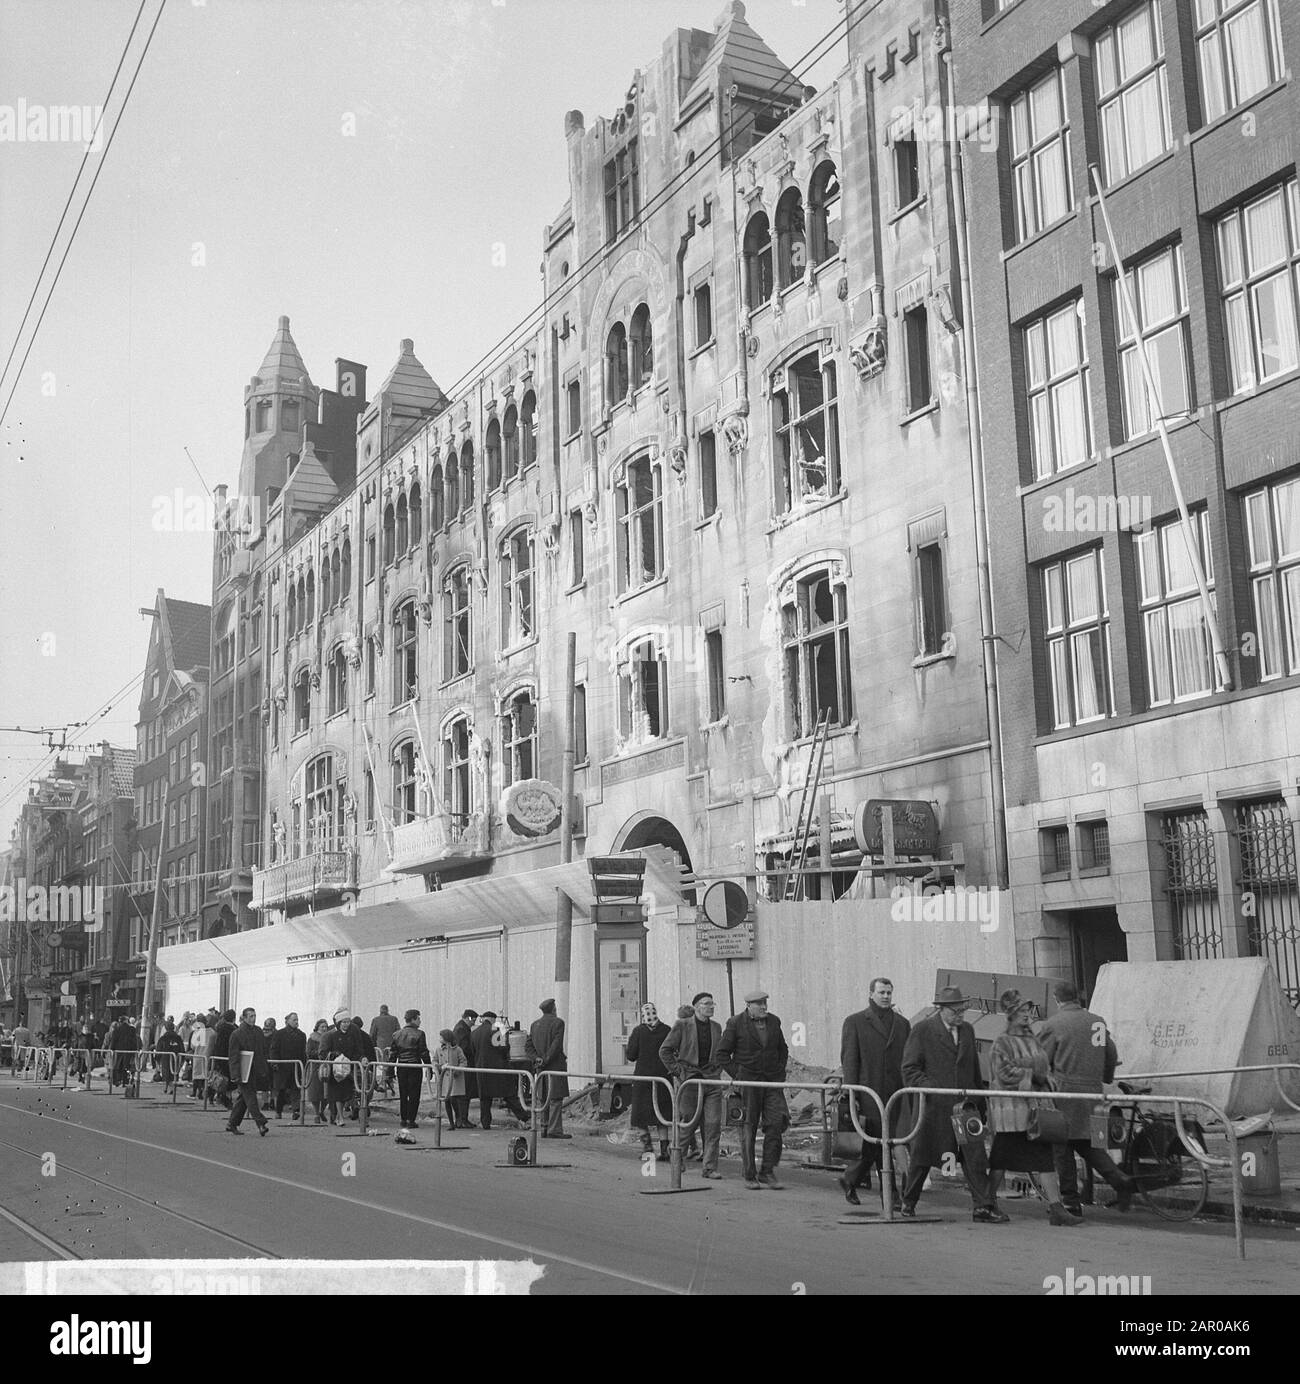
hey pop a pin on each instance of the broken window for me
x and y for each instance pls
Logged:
(301, 703)
(467, 478)
(404, 653)
(643, 693)
(456, 781)
(758, 261)
(456, 624)
(824, 209)
(517, 588)
(324, 801)
(528, 429)
(452, 503)
(405, 782)
(640, 525)
(641, 347)
(510, 442)
(805, 418)
(815, 638)
(615, 367)
(436, 511)
(403, 527)
(791, 242)
(716, 676)
(518, 738)
(492, 447)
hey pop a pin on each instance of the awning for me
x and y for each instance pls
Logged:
(486, 903)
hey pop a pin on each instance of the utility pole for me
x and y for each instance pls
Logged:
(146, 1005)
(563, 903)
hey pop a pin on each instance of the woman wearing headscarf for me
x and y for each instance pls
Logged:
(316, 1070)
(642, 1049)
(451, 1083)
(1019, 1062)
(343, 1043)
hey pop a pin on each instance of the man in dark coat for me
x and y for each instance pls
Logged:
(124, 1041)
(489, 1052)
(371, 1056)
(689, 1052)
(463, 1037)
(218, 1064)
(546, 1049)
(753, 1049)
(289, 1045)
(171, 1049)
(871, 1055)
(941, 1053)
(247, 1048)
(1083, 1057)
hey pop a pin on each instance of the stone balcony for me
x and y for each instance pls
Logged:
(310, 876)
(440, 840)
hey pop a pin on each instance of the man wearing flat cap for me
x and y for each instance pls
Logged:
(545, 1048)
(753, 1049)
(941, 1053)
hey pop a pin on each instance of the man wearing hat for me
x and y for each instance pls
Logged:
(489, 1054)
(690, 1050)
(941, 1053)
(753, 1049)
(546, 1049)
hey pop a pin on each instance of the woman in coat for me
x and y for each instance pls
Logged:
(451, 1083)
(642, 1049)
(345, 1042)
(200, 1037)
(1019, 1062)
(316, 1070)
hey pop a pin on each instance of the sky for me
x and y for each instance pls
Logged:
(374, 169)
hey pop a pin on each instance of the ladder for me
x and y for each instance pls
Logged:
(807, 801)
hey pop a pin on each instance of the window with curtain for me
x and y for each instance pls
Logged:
(1158, 290)
(1239, 44)
(1076, 628)
(1175, 634)
(1132, 92)
(1258, 247)
(1056, 371)
(1040, 156)
(1273, 541)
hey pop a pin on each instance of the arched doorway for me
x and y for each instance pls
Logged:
(648, 829)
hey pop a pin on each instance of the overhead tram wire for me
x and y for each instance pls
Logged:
(509, 341)
(72, 192)
(117, 125)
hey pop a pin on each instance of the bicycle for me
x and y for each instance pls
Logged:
(1166, 1174)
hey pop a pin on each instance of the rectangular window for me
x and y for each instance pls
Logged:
(622, 191)
(1056, 373)
(703, 296)
(815, 643)
(805, 419)
(1158, 291)
(172, 811)
(1273, 539)
(708, 474)
(1240, 47)
(1076, 625)
(916, 335)
(1175, 634)
(1094, 845)
(370, 802)
(370, 557)
(580, 752)
(1132, 92)
(907, 179)
(1040, 156)
(639, 508)
(457, 646)
(931, 604)
(573, 395)
(457, 782)
(1258, 249)
(643, 694)
(716, 676)
(370, 665)
(518, 739)
(577, 557)
(405, 649)
(1054, 843)
(517, 614)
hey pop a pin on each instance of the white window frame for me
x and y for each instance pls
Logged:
(1273, 553)
(1218, 22)
(799, 638)
(1031, 151)
(1154, 332)
(1122, 81)
(1068, 631)
(1160, 598)
(518, 588)
(640, 525)
(791, 473)
(1046, 380)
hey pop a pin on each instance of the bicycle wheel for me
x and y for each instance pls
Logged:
(1173, 1186)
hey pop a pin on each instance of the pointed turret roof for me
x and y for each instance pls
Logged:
(409, 386)
(283, 360)
(751, 63)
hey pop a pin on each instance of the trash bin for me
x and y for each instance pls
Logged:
(1261, 1173)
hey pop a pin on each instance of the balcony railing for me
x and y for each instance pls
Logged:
(428, 841)
(320, 872)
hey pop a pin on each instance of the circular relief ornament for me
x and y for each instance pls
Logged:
(532, 807)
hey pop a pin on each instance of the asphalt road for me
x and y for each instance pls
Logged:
(146, 1179)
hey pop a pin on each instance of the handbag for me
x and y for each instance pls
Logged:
(1048, 1124)
(340, 1069)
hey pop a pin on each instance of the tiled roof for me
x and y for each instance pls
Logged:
(123, 772)
(283, 361)
(191, 631)
(750, 62)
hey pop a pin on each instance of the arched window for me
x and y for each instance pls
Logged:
(815, 642)
(457, 784)
(405, 783)
(791, 241)
(345, 584)
(805, 419)
(405, 643)
(323, 797)
(824, 212)
(641, 346)
(263, 415)
(467, 478)
(510, 442)
(337, 589)
(453, 487)
(416, 517)
(293, 609)
(518, 738)
(616, 365)
(758, 261)
(456, 628)
(301, 703)
(403, 531)
(336, 682)
(390, 521)
(435, 499)
(640, 535)
(528, 427)
(492, 449)
(311, 597)
(517, 621)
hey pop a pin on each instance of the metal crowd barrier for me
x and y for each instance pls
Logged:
(527, 1089)
(299, 1064)
(1097, 1098)
(1274, 1067)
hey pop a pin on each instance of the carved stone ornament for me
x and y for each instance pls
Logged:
(868, 355)
(677, 459)
(426, 611)
(281, 699)
(352, 650)
(842, 289)
(751, 345)
(551, 538)
(314, 678)
(590, 512)
(735, 430)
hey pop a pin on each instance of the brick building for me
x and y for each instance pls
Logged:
(1152, 787)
